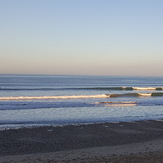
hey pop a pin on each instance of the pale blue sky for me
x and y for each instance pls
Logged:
(81, 37)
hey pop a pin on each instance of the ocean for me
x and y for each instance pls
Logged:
(36, 100)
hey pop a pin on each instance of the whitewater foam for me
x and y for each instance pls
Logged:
(148, 88)
(53, 97)
(145, 94)
(83, 96)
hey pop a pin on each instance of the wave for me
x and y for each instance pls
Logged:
(129, 103)
(148, 88)
(84, 96)
(53, 97)
(111, 88)
(127, 88)
(130, 95)
(87, 88)
(136, 94)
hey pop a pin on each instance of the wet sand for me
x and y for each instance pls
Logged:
(122, 142)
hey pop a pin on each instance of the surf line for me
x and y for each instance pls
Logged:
(53, 97)
(83, 96)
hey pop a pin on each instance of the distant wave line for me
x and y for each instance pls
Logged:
(82, 88)
(127, 88)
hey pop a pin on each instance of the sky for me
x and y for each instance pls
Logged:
(81, 37)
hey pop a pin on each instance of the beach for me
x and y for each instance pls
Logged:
(139, 141)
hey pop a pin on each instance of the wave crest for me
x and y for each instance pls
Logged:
(83, 96)
(52, 97)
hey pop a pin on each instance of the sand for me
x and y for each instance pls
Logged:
(122, 142)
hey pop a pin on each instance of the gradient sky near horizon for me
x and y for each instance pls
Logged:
(81, 37)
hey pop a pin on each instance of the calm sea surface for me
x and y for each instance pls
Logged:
(29, 100)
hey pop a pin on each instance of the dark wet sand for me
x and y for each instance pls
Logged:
(106, 142)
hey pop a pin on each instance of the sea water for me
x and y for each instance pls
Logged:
(31, 100)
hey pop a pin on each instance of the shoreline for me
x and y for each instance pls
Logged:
(104, 141)
(17, 126)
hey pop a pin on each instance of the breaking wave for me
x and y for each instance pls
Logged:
(84, 96)
(136, 94)
(126, 88)
(53, 97)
